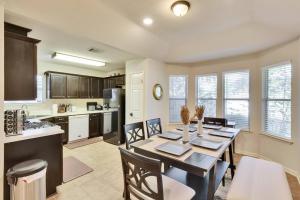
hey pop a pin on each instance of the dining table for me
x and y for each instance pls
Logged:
(201, 168)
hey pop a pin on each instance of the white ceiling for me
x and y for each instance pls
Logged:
(53, 40)
(212, 29)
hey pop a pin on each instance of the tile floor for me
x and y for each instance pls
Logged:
(105, 182)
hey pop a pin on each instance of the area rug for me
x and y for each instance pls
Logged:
(81, 143)
(74, 168)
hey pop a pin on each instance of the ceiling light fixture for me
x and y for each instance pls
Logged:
(180, 8)
(76, 59)
(148, 21)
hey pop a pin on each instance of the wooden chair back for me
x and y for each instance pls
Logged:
(137, 170)
(153, 127)
(215, 121)
(134, 133)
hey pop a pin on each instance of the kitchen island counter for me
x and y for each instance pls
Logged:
(42, 143)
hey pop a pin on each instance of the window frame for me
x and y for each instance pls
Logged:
(196, 90)
(186, 94)
(237, 99)
(265, 100)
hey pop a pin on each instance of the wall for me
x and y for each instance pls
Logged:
(285, 153)
(154, 72)
(253, 142)
(116, 72)
(1, 94)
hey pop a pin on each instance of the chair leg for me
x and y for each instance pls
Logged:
(166, 166)
(223, 159)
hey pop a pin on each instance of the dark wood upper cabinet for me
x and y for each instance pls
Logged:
(20, 64)
(63, 85)
(72, 87)
(101, 87)
(57, 86)
(84, 87)
(94, 87)
(114, 81)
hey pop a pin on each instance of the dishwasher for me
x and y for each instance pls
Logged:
(78, 127)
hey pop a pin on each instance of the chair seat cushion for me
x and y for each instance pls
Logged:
(172, 189)
(257, 179)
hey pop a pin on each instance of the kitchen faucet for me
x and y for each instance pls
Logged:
(26, 110)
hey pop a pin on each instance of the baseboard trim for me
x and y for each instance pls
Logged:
(287, 170)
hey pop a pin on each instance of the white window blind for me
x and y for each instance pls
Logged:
(177, 96)
(236, 98)
(277, 100)
(207, 93)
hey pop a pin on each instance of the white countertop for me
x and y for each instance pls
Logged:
(34, 133)
(48, 114)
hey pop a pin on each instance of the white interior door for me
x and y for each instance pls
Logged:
(135, 98)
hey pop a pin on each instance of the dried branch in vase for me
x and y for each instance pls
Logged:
(185, 115)
(199, 112)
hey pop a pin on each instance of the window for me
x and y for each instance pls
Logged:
(207, 93)
(236, 98)
(277, 100)
(177, 96)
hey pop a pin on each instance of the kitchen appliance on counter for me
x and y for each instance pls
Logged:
(14, 122)
(92, 106)
(114, 98)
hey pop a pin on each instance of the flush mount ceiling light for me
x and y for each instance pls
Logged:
(148, 21)
(76, 59)
(180, 8)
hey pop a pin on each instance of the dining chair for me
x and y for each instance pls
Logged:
(153, 127)
(133, 133)
(143, 180)
(215, 121)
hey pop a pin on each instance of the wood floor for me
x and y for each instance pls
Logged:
(105, 182)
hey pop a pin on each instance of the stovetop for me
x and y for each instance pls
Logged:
(37, 125)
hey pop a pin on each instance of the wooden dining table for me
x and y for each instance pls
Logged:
(203, 166)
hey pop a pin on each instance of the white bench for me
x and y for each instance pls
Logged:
(257, 179)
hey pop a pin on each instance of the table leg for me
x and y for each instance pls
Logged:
(231, 166)
(233, 145)
(211, 183)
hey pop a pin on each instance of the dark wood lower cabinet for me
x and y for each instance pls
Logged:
(47, 148)
(63, 122)
(95, 125)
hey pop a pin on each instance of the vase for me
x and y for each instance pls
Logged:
(186, 137)
(200, 128)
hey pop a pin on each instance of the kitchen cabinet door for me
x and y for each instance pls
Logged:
(94, 88)
(63, 122)
(94, 125)
(58, 86)
(72, 87)
(120, 80)
(20, 67)
(84, 87)
(65, 136)
(101, 87)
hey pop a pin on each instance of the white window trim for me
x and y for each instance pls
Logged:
(186, 95)
(263, 100)
(249, 99)
(196, 90)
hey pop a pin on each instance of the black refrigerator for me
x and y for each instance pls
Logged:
(113, 119)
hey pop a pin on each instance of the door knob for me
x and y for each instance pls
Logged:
(131, 114)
